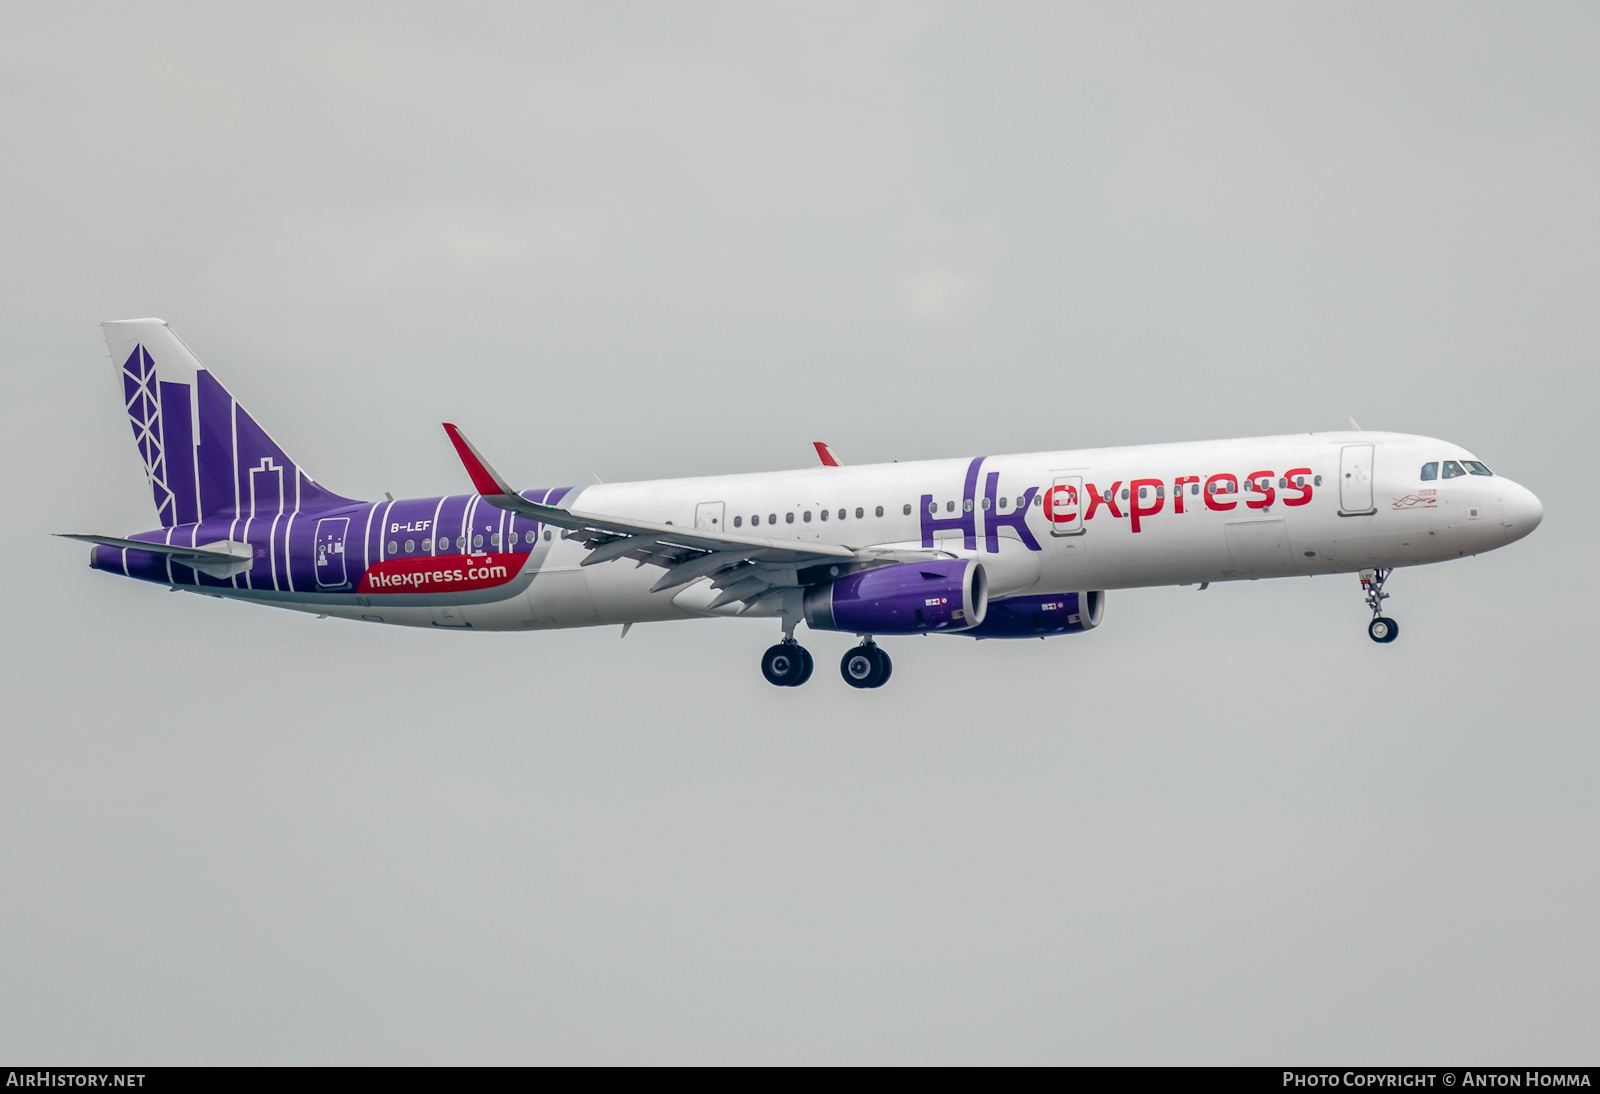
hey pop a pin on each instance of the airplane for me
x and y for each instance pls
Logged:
(1015, 546)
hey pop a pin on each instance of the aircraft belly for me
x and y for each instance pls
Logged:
(559, 597)
(620, 593)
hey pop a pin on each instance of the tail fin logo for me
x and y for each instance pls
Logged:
(143, 400)
(204, 456)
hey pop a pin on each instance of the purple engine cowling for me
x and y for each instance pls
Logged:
(1041, 616)
(907, 598)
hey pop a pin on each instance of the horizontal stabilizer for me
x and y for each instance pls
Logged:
(221, 559)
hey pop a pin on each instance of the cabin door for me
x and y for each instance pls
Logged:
(1355, 479)
(1063, 506)
(331, 533)
(708, 516)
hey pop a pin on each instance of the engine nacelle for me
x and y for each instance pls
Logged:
(906, 598)
(1041, 616)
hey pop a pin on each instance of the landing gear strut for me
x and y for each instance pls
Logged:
(1382, 628)
(788, 664)
(866, 666)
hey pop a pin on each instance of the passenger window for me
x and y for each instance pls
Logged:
(547, 535)
(1004, 502)
(737, 521)
(1452, 469)
(808, 516)
(411, 545)
(1477, 468)
(824, 515)
(494, 541)
(861, 512)
(772, 518)
(880, 510)
(1022, 501)
(842, 514)
(1430, 471)
(394, 548)
(907, 510)
(477, 541)
(529, 537)
(949, 507)
(788, 518)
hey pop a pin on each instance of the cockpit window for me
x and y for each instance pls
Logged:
(1430, 471)
(1477, 468)
(1452, 469)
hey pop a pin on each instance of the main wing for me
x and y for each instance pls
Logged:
(741, 568)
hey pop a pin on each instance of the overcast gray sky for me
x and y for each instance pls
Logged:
(650, 240)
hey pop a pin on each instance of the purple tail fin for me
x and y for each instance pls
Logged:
(205, 456)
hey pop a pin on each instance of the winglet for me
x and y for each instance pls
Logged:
(484, 478)
(825, 454)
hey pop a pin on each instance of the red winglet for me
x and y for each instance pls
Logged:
(824, 454)
(483, 477)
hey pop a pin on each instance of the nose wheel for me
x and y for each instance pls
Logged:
(866, 666)
(1382, 629)
(787, 665)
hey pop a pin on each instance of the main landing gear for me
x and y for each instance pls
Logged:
(866, 666)
(788, 664)
(1382, 628)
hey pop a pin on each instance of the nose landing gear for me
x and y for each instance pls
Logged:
(1382, 628)
(866, 666)
(787, 665)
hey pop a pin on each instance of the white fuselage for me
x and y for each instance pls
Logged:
(1360, 503)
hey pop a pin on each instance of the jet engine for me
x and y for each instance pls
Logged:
(1041, 616)
(906, 598)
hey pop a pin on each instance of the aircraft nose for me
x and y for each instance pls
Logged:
(1521, 511)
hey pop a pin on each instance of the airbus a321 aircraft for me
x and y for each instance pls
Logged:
(986, 547)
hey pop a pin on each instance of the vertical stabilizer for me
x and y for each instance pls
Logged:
(204, 455)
